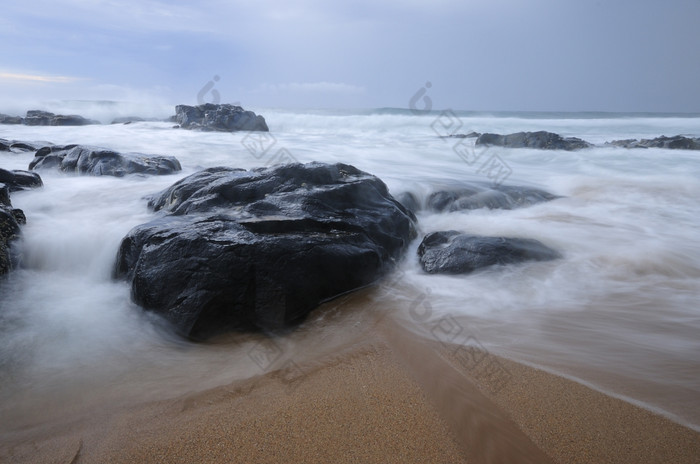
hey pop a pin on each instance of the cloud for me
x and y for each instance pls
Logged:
(31, 78)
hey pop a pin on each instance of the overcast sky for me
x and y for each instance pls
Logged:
(538, 55)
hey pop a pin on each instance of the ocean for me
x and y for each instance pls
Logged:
(619, 312)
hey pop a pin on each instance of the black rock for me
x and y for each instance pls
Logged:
(678, 142)
(541, 139)
(211, 117)
(7, 119)
(260, 249)
(44, 118)
(20, 180)
(102, 162)
(10, 220)
(452, 252)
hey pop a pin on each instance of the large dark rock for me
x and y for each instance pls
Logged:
(7, 119)
(260, 249)
(453, 252)
(541, 140)
(10, 220)
(474, 196)
(44, 118)
(20, 180)
(677, 142)
(211, 117)
(102, 162)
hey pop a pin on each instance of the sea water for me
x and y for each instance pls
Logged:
(618, 312)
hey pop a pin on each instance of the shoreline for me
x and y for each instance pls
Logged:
(386, 395)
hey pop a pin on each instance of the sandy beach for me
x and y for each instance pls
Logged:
(384, 395)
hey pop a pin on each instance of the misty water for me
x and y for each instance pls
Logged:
(618, 312)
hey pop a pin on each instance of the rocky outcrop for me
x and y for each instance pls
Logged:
(44, 118)
(19, 180)
(453, 252)
(260, 249)
(16, 146)
(7, 119)
(102, 162)
(541, 140)
(678, 142)
(475, 196)
(10, 221)
(212, 117)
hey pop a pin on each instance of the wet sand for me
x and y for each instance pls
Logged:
(387, 398)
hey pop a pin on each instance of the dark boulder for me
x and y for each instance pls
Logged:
(677, 142)
(541, 140)
(453, 252)
(10, 221)
(20, 180)
(44, 118)
(260, 249)
(102, 162)
(7, 119)
(470, 135)
(212, 117)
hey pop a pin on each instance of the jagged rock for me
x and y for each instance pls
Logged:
(260, 249)
(678, 142)
(44, 118)
(211, 117)
(10, 220)
(541, 140)
(102, 162)
(20, 180)
(7, 119)
(453, 252)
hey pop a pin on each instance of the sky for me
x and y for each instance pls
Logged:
(481, 55)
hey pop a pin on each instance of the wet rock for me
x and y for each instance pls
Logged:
(44, 118)
(453, 252)
(7, 119)
(102, 162)
(260, 249)
(541, 140)
(10, 221)
(677, 142)
(211, 117)
(475, 196)
(20, 180)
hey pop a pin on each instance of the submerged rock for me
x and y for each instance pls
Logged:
(678, 142)
(102, 162)
(20, 180)
(453, 252)
(474, 196)
(211, 117)
(44, 118)
(542, 140)
(260, 249)
(10, 221)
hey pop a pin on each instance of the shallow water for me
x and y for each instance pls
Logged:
(619, 311)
